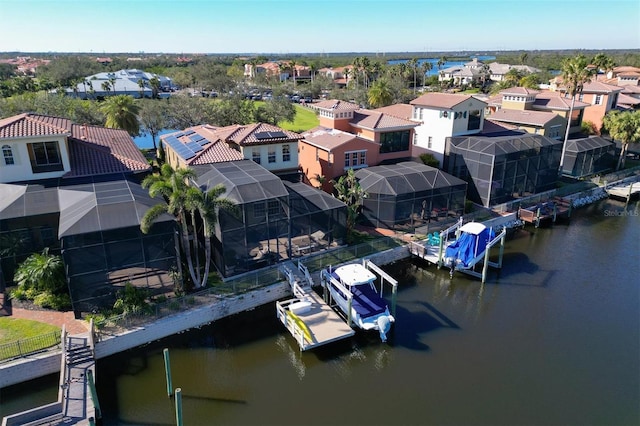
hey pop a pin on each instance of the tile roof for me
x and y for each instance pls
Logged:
(398, 110)
(440, 100)
(599, 87)
(377, 120)
(329, 139)
(336, 105)
(533, 118)
(556, 101)
(625, 68)
(95, 150)
(631, 89)
(519, 91)
(217, 145)
(627, 100)
(496, 127)
(29, 125)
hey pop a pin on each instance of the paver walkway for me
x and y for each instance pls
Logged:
(73, 325)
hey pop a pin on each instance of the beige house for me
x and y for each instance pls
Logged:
(536, 122)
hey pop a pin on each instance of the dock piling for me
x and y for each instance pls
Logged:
(179, 406)
(167, 370)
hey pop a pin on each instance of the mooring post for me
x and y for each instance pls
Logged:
(554, 212)
(179, 406)
(167, 370)
(630, 192)
(501, 253)
(485, 267)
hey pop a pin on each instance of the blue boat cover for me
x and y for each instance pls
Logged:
(366, 300)
(468, 246)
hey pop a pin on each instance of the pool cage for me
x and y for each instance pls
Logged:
(588, 156)
(503, 167)
(409, 194)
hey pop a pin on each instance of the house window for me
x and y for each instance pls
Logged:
(581, 97)
(363, 158)
(271, 155)
(286, 153)
(415, 139)
(430, 142)
(45, 157)
(7, 153)
(474, 119)
(255, 155)
(347, 159)
(317, 154)
(394, 141)
(597, 100)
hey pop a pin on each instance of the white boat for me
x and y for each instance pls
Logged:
(352, 289)
(624, 191)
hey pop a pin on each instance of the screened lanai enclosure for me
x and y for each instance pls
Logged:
(505, 166)
(273, 220)
(95, 224)
(588, 156)
(409, 194)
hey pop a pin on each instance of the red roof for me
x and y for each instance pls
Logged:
(440, 100)
(377, 120)
(26, 125)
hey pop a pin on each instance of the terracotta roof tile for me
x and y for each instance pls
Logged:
(627, 100)
(519, 91)
(440, 100)
(336, 105)
(329, 139)
(556, 101)
(376, 120)
(398, 110)
(533, 118)
(26, 125)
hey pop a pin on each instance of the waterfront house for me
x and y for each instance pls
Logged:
(502, 166)
(442, 115)
(75, 189)
(274, 148)
(600, 99)
(352, 137)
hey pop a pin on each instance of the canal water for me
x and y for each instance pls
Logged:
(553, 339)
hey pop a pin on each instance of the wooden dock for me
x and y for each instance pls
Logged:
(310, 320)
(545, 213)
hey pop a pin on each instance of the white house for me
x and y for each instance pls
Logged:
(443, 115)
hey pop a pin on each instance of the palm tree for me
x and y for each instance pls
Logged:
(141, 85)
(365, 62)
(380, 94)
(113, 80)
(292, 65)
(441, 62)
(121, 112)
(155, 87)
(208, 204)
(523, 58)
(624, 127)
(413, 65)
(349, 191)
(172, 185)
(603, 62)
(574, 75)
(106, 86)
(426, 67)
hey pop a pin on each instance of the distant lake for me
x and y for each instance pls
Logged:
(145, 141)
(434, 61)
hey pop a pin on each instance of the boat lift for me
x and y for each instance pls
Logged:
(436, 254)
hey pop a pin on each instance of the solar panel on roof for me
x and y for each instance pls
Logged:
(262, 135)
(190, 132)
(277, 134)
(193, 146)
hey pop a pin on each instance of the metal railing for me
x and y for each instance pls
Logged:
(238, 285)
(24, 347)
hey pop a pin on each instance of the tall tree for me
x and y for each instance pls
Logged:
(208, 204)
(426, 67)
(153, 118)
(349, 191)
(625, 128)
(441, 62)
(121, 112)
(172, 185)
(574, 76)
(413, 66)
(380, 94)
(603, 62)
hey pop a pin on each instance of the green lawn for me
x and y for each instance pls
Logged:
(305, 119)
(12, 329)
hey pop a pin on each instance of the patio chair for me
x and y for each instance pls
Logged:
(318, 237)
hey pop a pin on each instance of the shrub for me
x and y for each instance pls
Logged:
(429, 160)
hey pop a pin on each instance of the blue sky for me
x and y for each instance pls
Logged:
(308, 26)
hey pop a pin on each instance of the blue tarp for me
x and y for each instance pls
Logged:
(468, 246)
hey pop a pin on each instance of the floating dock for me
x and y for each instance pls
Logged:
(310, 320)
